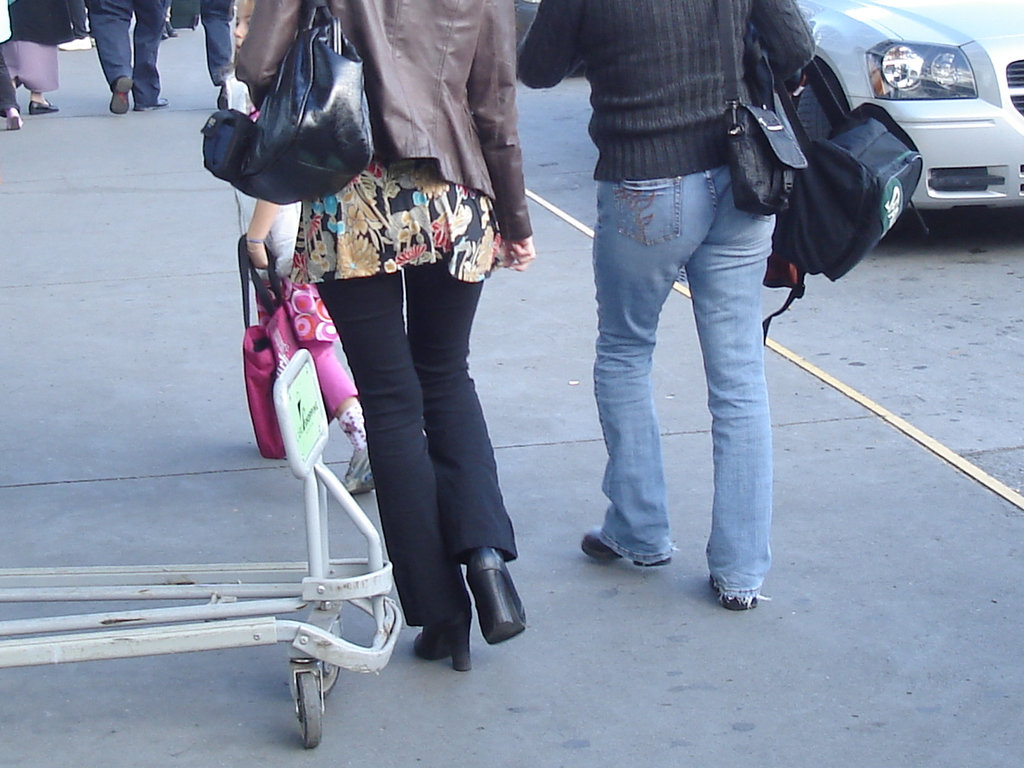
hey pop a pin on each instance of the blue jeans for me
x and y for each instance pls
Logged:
(647, 232)
(131, 56)
(216, 16)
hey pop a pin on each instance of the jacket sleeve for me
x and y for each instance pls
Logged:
(549, 52)
(491, 93)
(785, 33)
(272, 28)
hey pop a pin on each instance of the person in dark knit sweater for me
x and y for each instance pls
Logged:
(664, 205)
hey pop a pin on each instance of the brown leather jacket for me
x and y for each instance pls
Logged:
(440, 79)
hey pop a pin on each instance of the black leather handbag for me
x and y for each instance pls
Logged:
(764, 155)
(313, 134)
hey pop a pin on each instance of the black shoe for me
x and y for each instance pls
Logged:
(120, 89)
(41, 108)
(498, 607)
(160, 103)
(733, 602)
(439, 641)
(593, 547)
(168, 31)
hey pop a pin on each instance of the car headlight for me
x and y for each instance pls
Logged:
(920, 71)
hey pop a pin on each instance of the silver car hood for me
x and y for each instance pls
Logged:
(955, 22)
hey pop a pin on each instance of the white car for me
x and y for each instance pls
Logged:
(951, 73)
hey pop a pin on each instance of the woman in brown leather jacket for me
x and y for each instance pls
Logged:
(401, 254)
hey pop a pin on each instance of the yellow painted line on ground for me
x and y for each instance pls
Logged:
(971, 470)
(946, 454)
(561, 214)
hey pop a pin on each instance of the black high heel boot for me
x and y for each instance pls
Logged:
(498, 606)
(439, 641)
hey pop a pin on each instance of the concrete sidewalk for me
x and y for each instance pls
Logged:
(891, 639)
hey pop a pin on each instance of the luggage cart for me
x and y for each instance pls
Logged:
(239, 604)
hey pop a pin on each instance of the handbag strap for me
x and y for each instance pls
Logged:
(319, 13)
(726, 36)
(269, 298)
(243, 274)
(789, 108)
(798, 286)
(310, 10)
(832, 103)
(795, 292)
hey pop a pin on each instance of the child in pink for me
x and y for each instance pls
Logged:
(271, 234)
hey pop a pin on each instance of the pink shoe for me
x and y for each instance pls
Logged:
(14, 121)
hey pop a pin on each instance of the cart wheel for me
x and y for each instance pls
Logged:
(309, 705)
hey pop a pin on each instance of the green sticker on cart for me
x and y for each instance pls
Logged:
(306, 410)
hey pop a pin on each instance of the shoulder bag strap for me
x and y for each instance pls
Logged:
(317, 13)
(797, 289)
(833, 104)
(789, 108)
(726, 36)
(276, 289)
(796, 292)
(269, 298)
(243, 274)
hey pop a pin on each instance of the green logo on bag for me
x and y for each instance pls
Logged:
(892, 203)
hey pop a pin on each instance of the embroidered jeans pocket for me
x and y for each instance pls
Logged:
(648, 211)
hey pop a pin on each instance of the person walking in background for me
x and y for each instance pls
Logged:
(37, 27)
(664, 204)
(400, 255)
(128, 57)
(270, 235)
(216, 18)
(8, 99)
(79, 28)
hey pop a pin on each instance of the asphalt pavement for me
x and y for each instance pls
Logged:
(891, 638)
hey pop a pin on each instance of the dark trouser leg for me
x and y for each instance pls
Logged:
(79, 24)
(369, 317)
(441, 311)
(110, 21)
(8, 98)
(149, 24)
(216, 16)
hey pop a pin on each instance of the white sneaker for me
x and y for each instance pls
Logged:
(78, 44)
(359, 477)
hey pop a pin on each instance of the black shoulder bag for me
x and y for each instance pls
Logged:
(764, 156)
(312, 135)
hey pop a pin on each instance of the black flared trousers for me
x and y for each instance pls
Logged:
(406, 336)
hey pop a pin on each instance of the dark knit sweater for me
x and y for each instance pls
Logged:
(656, 73)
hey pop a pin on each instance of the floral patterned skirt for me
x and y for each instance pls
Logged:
(396, 215)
